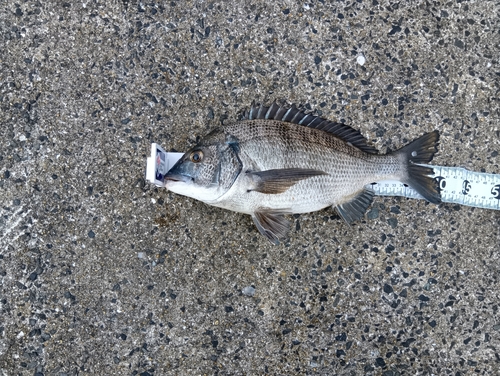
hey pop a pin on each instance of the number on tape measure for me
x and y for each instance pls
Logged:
(495, 191)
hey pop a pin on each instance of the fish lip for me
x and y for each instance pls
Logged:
(177, 178)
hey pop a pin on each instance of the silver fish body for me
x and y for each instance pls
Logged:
(282, 161)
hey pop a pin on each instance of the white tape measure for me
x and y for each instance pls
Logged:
(458, 185)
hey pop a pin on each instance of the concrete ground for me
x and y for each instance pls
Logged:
(104, 274)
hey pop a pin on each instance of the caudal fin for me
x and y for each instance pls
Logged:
(422, 151)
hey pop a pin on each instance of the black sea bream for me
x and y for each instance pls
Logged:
(280, 161)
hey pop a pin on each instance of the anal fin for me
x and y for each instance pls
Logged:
(271, 224)
(355, 209)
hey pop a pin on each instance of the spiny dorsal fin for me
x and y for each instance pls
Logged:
(297, 116)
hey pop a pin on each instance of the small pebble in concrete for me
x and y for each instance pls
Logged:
(248, 291)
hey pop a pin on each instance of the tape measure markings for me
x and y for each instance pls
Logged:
(458, 185)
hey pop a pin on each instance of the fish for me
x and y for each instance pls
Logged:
(280, 160)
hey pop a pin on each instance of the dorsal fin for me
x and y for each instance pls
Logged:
(297, 116)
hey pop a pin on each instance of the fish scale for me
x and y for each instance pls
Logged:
(282, 160)
(263, 147)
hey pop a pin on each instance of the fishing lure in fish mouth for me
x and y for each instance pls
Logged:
(281, 160)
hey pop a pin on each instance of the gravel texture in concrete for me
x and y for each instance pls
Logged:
(102, 273)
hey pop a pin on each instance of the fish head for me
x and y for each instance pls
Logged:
(208, 170)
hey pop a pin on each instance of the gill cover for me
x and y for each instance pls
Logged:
(208, 170)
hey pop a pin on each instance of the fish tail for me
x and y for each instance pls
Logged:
(422, 151)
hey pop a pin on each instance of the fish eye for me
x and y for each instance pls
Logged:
(196, 156)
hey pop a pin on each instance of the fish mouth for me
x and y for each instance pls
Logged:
(177, 178)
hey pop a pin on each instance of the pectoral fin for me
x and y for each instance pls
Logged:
(279, 180)
(271, 224)
(355, 209)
